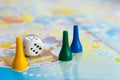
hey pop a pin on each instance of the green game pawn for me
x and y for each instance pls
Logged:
(65, 53)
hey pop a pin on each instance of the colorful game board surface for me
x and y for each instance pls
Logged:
(99, 34)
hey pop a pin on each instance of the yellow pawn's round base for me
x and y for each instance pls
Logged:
(20, 69)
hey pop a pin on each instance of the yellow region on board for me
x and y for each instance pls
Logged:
(27, 17)
(3, 24)
(117, 59)
(65, 11)
(38, 25)
(101, 30)
(95, 46)
(24, 33)
(56, 32)
(7, 45)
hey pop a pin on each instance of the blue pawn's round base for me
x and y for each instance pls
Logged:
(73, 50)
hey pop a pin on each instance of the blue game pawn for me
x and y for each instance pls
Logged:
(76, 46)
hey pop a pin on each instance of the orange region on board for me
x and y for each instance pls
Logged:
(97, 40)
(88, 32)
(12, 19)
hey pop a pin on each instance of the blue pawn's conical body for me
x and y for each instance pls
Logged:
(76, 46)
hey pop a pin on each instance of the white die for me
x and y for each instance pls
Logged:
(32, 46)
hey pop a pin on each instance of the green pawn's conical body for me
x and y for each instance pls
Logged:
(65, 53)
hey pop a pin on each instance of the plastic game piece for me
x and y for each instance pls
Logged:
(33, 46)
(65, 53)
(76, 46)
(20, 63)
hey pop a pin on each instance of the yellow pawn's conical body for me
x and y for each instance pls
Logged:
(20, 63)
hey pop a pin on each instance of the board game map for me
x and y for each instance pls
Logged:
(99, 29)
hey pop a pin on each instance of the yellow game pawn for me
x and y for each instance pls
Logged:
(20, 63)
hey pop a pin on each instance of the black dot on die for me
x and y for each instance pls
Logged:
(35, 44)
(36, 52)
(24, 47)
(40, 48)
(33, 50)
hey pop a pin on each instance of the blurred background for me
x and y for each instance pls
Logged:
(106, 9)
